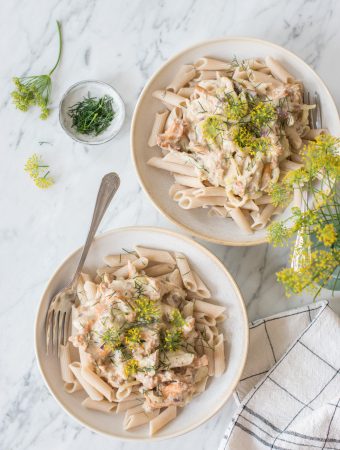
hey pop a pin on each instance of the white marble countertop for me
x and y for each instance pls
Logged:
(123, 43)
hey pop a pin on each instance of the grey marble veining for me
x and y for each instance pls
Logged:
(121, 42)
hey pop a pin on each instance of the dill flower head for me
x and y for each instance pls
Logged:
(44, 182)
(296, 178)
(278, 233)
(176, 319)
(111, 339)
(212, 127)
(35, 90)
(262, 114)
(146, 309)
(131, 367)
(33, 165)
(280, 193)
(317, 272)
(322, 155)
(133, 337)
(31, 91)
(243, 137)
(172, 339)
(38, 171)
(235, 107)
(326, 234)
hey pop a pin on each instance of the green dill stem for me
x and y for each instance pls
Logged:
(60, 48)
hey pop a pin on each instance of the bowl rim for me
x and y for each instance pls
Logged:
(168, 62)
(73, 136)
(237, 291)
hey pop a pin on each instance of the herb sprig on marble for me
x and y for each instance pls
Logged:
(36, 90)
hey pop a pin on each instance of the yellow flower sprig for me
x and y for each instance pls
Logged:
(133, 337)
(318, 224)
(131, 367)
(38, 171)
(35, 90)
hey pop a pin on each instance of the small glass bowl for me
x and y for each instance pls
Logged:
(91, 88)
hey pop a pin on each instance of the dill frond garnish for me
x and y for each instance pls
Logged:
(131, 367)
(36, 90)
(147, 310)
(176, 319)
(133, 337)
(171, 339)
(111, 339)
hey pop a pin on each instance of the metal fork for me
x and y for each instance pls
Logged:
(59, 312)
(314, 121)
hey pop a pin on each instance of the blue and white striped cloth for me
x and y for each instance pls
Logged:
(289, 393)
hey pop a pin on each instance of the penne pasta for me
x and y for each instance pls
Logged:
(162, 419)
(159, 269)
(139, 264)
(170, 98)
(191, 202)
(201, 289)
(102, 405)
(185, 272)
(185, 74)
(89, 389)
(188, 181)
(151, 254)
(119, 260)
(278, 71)
(98, 383)
(212, 64)
(158, 127)
(182, 169)
(241, 218)
(208, 308)
(219, 357)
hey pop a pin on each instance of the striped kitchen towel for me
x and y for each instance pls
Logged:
(289, 392)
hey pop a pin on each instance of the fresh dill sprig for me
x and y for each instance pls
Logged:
(111, 339)
(36, 90)
(92, 115)
(38, 171)
(171, 339)
(147, 310)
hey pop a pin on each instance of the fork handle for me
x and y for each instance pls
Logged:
(108, 187)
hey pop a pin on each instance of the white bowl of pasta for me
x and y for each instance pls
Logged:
(159, 329)
(216, 127)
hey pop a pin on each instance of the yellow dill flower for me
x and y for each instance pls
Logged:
(44, 182)
(321, 198)
(323, 155)
(278, 233)
(172, 339)
(213, 127)
(326, 234)
(35, 90)
(236, 107)
(37, 170)
(176, 319)
(317, 272)
(34, 165)
(280, 193)
(133, 337)
(296, 177)
(242, 137)
(131, 367)
(147, 310)
(262, 114)
(111, 339)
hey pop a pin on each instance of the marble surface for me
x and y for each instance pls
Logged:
(123, 43)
